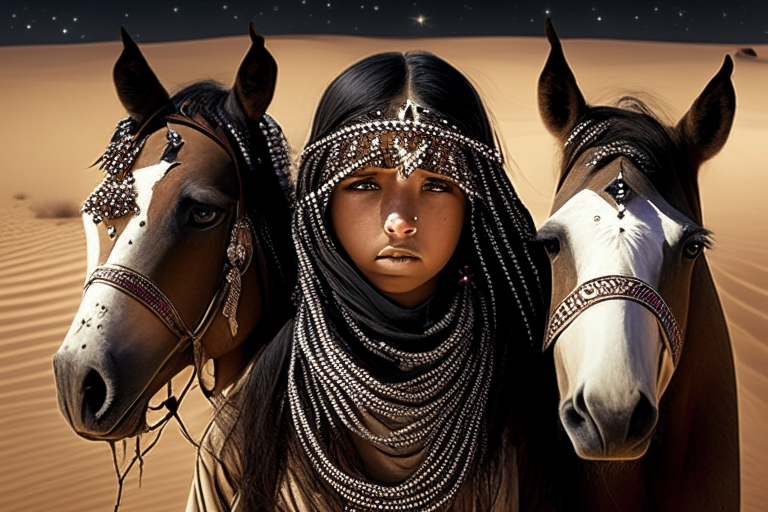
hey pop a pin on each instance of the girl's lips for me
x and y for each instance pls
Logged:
(397, 253)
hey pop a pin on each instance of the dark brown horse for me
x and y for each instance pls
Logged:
(641, 348)
(189, 249)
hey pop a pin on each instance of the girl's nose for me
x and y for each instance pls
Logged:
(399, 227)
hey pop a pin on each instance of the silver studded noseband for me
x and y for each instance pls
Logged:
(615, 287)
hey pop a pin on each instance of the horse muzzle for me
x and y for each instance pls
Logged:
(110, 363)
(615, 336)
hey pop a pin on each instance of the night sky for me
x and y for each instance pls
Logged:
(716, 21)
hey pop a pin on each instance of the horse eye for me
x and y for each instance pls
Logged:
(551, 245)
(203, 215)
(693, 249)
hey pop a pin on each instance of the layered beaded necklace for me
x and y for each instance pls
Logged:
(442, 395)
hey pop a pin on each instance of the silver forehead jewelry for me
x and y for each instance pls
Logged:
(411, 138)
(116, 195)
(620, 191)
(586, 132)
(621, 148)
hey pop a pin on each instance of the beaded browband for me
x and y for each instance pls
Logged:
(614, 287)
(409, 138)
(587, 132)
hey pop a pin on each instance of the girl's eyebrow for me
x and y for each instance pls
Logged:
(363, 173)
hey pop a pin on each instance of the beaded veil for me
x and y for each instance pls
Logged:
(440, 374)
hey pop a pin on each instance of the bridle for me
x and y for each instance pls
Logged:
(615, 287)
(240, 250)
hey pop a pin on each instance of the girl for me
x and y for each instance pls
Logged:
(419, 303)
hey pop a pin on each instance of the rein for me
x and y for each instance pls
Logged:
(615, 287)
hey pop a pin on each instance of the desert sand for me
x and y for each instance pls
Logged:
(59, 109)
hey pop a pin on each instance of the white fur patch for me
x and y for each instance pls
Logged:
(146, 178)
(611, 350)
(600, 247)
(91, 243)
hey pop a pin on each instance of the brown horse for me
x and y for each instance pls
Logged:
(189, 249)
(641, 348)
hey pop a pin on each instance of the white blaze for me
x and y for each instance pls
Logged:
(145, 180)
(602, 244)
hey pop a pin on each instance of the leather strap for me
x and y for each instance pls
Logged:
(615, 287)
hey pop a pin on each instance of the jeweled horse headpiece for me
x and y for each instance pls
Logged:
(115, 197)
(408, 138)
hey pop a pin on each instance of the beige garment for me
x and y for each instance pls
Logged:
(218, 468)
(214, 488)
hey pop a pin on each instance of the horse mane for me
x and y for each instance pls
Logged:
(266, 199)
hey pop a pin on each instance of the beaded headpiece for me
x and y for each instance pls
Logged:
(410, 138)
(586, 132)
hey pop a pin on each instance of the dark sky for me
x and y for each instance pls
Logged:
(717, 21)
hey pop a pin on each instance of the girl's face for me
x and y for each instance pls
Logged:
(399, 232)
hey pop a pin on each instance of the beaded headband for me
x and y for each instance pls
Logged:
(588, 131)
(412, 137)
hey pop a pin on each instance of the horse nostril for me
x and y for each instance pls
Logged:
(643, 419)
(580, 404)
(577, 412)
(94, 391)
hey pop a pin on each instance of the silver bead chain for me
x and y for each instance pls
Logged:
(444, 404)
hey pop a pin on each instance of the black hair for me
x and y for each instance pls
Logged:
(381, 82)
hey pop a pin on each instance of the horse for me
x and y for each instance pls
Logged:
(190, 259)
(636, 331)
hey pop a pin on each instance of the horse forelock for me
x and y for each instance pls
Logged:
(633, 130)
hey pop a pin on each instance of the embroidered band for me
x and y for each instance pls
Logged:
(145, 291)
(610, 288)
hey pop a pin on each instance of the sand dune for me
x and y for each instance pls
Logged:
(59, 109)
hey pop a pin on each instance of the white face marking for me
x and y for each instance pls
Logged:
(600, 247)
(146, 178)
(610, 353)
(91, 243)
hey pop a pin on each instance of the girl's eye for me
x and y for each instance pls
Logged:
(203, 215)
(436, 185)
(366, 184)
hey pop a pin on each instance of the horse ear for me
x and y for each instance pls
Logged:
(705, 127)
(560, 100)
(256, 78)
(137, 87)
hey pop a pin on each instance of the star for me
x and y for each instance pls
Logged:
(375, 7)
(175, 9)
(420, 19)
